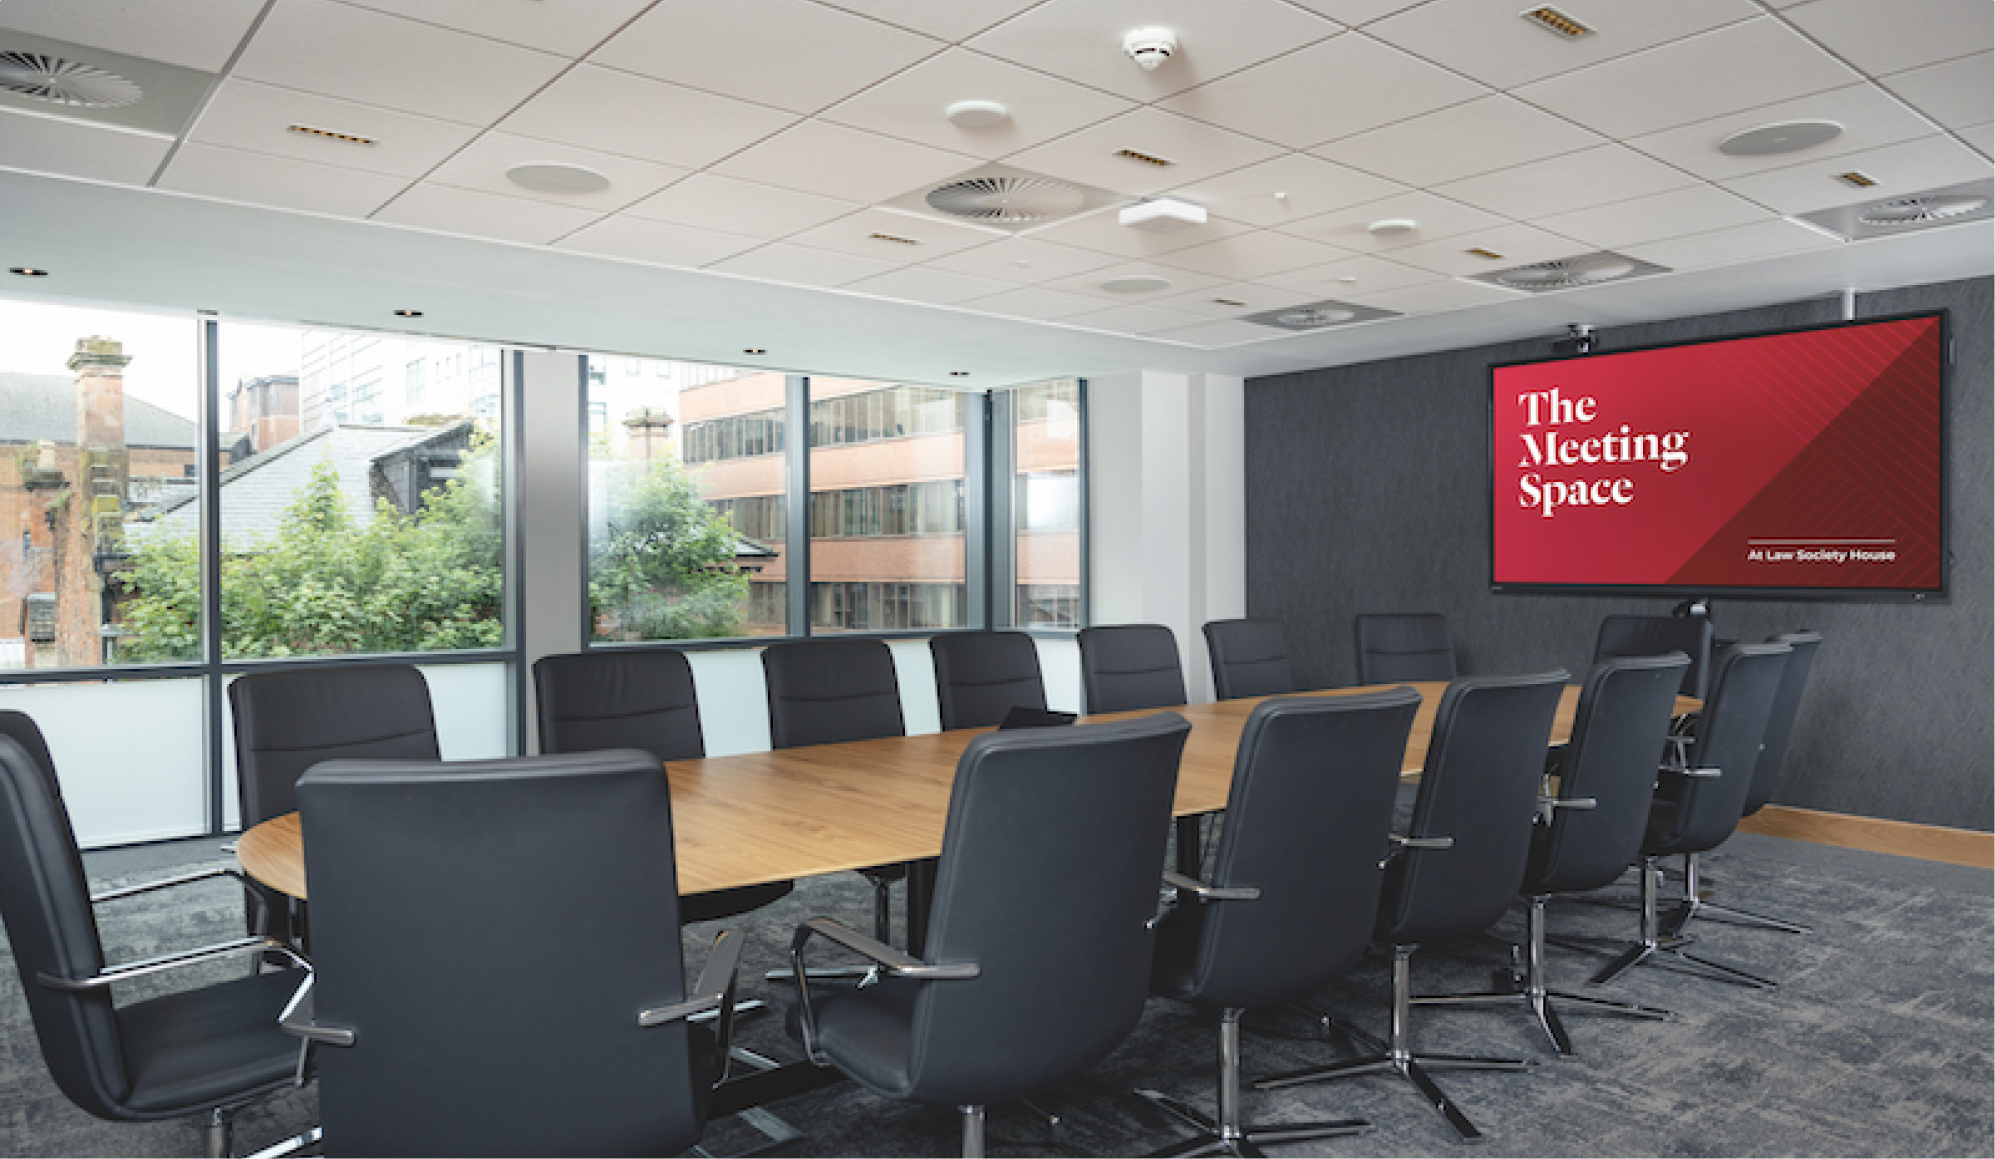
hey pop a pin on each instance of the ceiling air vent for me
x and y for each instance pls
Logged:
(1315, 316)
(1008, 200)
(1921, 210)
(65, 82)
(1927, 209)
(1567, 273)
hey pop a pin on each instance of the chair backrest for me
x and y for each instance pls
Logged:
(980, 676)
(45, 900)
(286, 722)
(1780, 720)
(1048, 881)
(618, 700)
(1404, 646)
(1729, 733)
(829, 690)
(1618, 734)
(1656, 635)
(490, 931)
(1130, 666)
(1249, 658)
(1478, 789)
(1307, 821)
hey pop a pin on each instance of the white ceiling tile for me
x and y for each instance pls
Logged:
(1887, 38)
(1287, 189)
(1036, 303)
(1323, 92)
(1104, 232)
(1724, 247)
(1081, 40)
(1492, 43)
(1435, 297)
(1493, 132)
(482, 165)
(1980, 137)
(1909, 167)
(361, 55)
(1233, 299)
(1141, 318)
(1023, 259)
(1357, 12)
(930, 285)
(801, 266)
(473, 214)
(569, 27)
(199, 34)
(1363, 274)
(856, 235)
(617, 112)
(1519, 245)
(1196, 151)
(1596, 176)
(1740, 66)
(676, 40)
(952, 21)
(279, 182)
(1251, 256)
(746, 207)
(1220, 333)
(1955, 93)
(1869, 116)
(1436, 217)
(1176, 282)
(910, 104)
(1695, 209)
(79, 149)
(839, 162)
(658, 242)
(257, 117)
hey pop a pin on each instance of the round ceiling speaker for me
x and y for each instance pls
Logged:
(1007, 200)
(65, 82)
(557, 177)
(1921, 210)
(1310, 317)
(1581, 271)
(1785, 137)
(1136, 284)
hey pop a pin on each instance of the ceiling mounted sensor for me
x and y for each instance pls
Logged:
(1928, 209)
(1003, 198)
(1162, 215)
(1316, 316)
(1566, 273)
(557, 177)
(1785, 137)
(1136, 284)
(1391, 227)
(977, 114)
(1150, 47)
(65, 82)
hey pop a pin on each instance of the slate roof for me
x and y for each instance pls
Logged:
(43, 406)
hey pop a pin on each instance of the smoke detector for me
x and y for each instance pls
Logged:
(1150, 47)
(1568, 273)
(65, 82)
(1927, 209)
(1315, 316)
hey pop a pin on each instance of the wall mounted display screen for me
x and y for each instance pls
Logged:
(1806, 462)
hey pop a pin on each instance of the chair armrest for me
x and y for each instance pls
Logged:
(713, 991)
(168, 883)
(297, 1018)
(884, 957)
(1204, 892)
(1401, 841)
(130, 970)
(1706, 773)
(1569, 802)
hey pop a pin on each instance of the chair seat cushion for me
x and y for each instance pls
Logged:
(213, 1046)
(868, 1032)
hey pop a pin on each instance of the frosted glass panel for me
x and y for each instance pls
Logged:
(470, 702)
(1060, 665)
(914, 666)
(128, 755)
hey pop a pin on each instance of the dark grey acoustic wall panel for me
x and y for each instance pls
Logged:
(1366, 492)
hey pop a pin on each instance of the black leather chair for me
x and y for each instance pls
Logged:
(981, 676)
(834, 689)
(1460, 865)
(1294, 886)
(1655, 636)
(1590, 832)
(1698, 806)
(1249, 658)
(1404, 646)
(288, 721)
(206, 1051)
(498, 961)
(638, 700)
(1038, 956)
(1125, 667)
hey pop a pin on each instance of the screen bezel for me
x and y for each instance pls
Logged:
(1858, 594)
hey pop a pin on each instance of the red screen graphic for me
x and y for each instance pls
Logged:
(1808, 459)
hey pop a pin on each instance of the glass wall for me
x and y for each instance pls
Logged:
(1046, 504)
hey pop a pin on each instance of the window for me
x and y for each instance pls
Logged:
(1046, 504)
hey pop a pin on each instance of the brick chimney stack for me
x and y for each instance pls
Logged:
(95, 533)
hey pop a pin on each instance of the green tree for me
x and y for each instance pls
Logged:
(661, 566)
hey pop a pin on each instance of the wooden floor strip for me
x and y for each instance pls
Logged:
(1876, 835)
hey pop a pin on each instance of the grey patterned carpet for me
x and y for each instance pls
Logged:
(1878, 1041)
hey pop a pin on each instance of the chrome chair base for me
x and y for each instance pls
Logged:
(1226, 1135)
(1696, 907)
(1397, 1058)
(1658, 940)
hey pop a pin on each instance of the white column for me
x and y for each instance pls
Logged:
(551, 513)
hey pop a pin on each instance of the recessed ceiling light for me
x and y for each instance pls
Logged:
(1480, 252)
(753, 350)
(1858, 178)
(1145, 158)
(959, 374)
(976, 114)
(1552, 20)
(329, 134)
(27, 271)
(1784, 137)
(1136, 284)
(1392, 226)
(408, 313)
(557, 177)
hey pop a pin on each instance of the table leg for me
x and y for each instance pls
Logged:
(920, 889)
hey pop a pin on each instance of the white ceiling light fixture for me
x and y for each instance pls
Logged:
(1150, 47)
(557, 177)
(976, 114)
(1783, 137)
(1162, 214)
